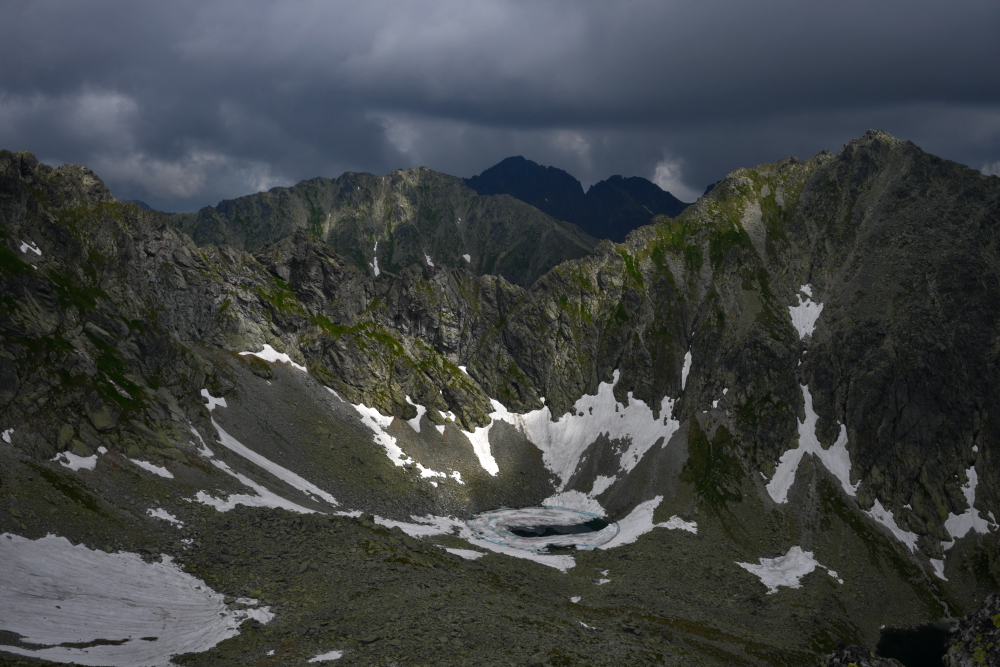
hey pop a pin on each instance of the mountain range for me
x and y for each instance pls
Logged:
(609, 209)
(303, 413)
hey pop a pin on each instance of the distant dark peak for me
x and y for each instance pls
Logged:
(610, 209)
(141, 204)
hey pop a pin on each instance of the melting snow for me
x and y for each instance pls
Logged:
(374, 264)
(575, 500)
(415, 422)
(467, 554)
(284, 474)
(805, 314)
(884, 517)
(6, 435)
(27, 245)
(323, 657)
(938, 565)
(155, 469)
(160, 513)
(677, 523)
(429, 262)
(55, 593)
(686, 369)
(267, 498)
(74, 462)
(272, 355)
(564, 441)
(836, 459)
(264, 498)
(640, 521)
(786, 570)
(601, 484)
(467, 258)
(959, 525)
(379, 424)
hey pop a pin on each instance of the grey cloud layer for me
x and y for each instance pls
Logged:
(184, 103)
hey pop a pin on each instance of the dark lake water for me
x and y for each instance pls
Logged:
(549, 530)
(923, 646)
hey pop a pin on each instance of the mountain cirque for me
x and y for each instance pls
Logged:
(786, 397)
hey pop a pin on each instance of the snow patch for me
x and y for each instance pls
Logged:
(564, 441)
(54, 593)
(329, 655)
(204, 450)
(374, 263)
(575, 500)
(427, 258)
(677, 523)
(467, 258)
(160, 513)
(685, 369)
(576, 599)
(284, 474)
(467, 554)
(264, 498)
(27, 245)
(415, 422)
(938, 565)
(959, 525)
(6, 435)
(155, 469)
(75, 463)
(884, 517)
(379, 424)
(212, 401)
(601, 484)
(786, 570)
(805, 314)
(836, 459)
(640, 521)
(272, 355)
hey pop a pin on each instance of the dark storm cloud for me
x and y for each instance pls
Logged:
(184, 103)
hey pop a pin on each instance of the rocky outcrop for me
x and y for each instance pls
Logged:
(388, 223)
(976, 639)
(855, 656)
(898, 246)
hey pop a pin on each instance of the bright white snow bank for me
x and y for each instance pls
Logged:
(6, 435)
(959, 525)
(155, 469)
(836, 459)
(640, 521)
(272, 355)
(265, 497)
(467, 554)
(379, 424)
(331, 655)
(160, 513)
(564, 441)
(54, 593)
(28, 245)
(75, 463)
(884, 517)
(786, 570)
(805, 314)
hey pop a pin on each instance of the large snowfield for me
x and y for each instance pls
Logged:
(96, 608)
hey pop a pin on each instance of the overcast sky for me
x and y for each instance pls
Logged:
(182, 104)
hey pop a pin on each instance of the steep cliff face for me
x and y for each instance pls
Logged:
(800, 366)
(388, 223)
